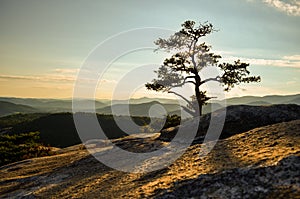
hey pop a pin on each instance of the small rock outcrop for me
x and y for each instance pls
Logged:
(241, 118)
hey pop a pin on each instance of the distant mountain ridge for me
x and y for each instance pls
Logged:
(141, 109)
(138, 106)
(7, 108)
(269, 99)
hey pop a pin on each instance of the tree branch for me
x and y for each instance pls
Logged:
(188, 101)
(217, 79)
(184, 82)
(191, 82)
(191, 76)
(188, 111)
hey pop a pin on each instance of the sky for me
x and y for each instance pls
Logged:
(45, 44)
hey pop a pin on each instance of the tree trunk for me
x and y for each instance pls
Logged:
(199, 101)
(198, 95)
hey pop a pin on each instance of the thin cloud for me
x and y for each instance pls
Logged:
(66, 70)
(291, 7)
(16, 77)
(291, 82)
(292, 57)
(286, 61)
(50, 78)
(108, 81)
(38, 78)
(254, 90)
(53, 87)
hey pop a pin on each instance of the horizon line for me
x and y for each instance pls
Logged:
(70, 98)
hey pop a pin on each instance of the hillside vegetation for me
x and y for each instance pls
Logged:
(22, 146)
(58, 129)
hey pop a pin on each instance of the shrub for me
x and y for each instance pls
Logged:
(172, 120)
(21, 146)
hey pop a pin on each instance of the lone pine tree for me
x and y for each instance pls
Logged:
(190, 57)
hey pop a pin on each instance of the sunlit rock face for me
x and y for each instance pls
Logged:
(260, 163)
(278, 181)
